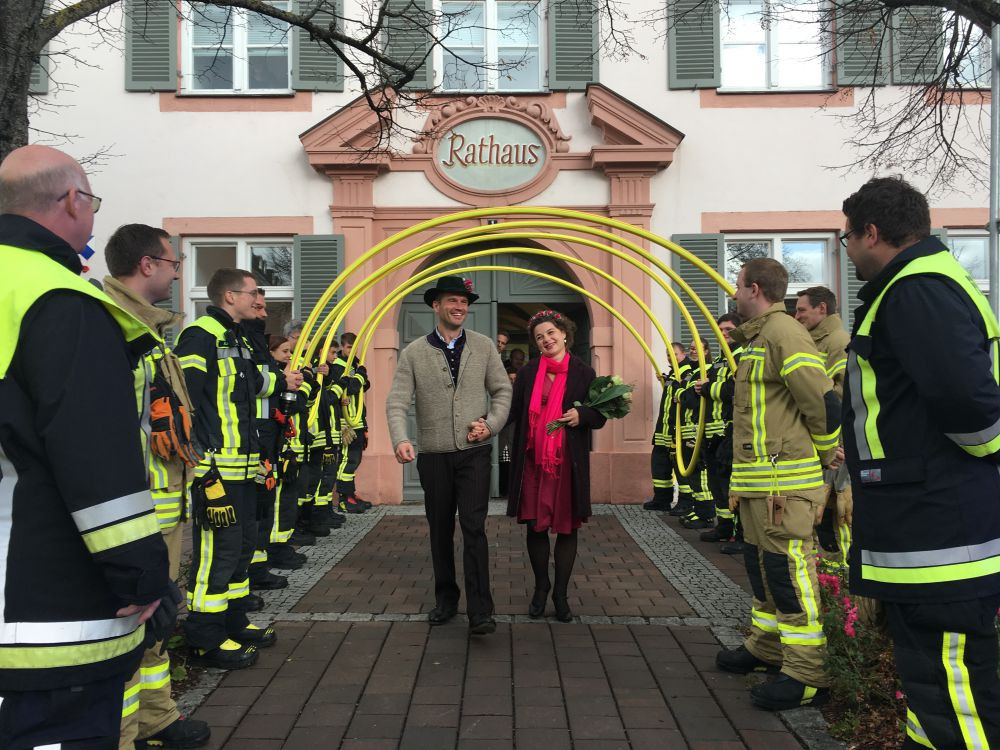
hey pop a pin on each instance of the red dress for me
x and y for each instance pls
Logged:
(547, 500)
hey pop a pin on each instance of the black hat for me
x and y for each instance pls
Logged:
(450, 285)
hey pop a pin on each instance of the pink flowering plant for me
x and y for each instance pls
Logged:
(859, 656)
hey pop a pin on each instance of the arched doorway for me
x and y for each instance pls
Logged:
(506, 301)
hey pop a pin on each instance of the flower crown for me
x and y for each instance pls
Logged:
(543, 314)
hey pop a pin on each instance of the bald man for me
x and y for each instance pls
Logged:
(82, 561)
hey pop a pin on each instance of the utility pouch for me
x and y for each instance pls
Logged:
(288, 467)
(775, 509)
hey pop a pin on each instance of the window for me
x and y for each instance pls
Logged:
(975, 47)
(972, 251)
(766, 45)
(233, 51)
(491, 45)
(269, 259)
(808, 258)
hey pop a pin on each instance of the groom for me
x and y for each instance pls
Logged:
(462, 397)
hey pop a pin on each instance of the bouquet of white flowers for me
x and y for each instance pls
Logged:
(608, 394)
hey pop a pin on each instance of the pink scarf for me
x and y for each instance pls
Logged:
(548, 449)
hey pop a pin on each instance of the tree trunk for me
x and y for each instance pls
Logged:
(20, 45)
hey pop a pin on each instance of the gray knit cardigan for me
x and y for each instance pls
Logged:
(445, 410)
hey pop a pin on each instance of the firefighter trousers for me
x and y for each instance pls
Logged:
(218, 583)
(946, 657)
(719, 471)
(84, 717)
(661, 466)
(350, 460)
(785, 625)
(147, 706)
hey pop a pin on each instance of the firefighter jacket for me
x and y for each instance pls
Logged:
(169, 480)
(718, 391)
(665, 416)
(271, 372)
(348, 387)
(922, 433)
(78, 535)
(785, 426)
(224, 383)
(690, 404)
(831, 340)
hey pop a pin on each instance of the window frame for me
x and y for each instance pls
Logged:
(830, 256)
(771, 64)
(194, 294)
(954, 234)
(491, 47)
(986, 79)
(240, 56)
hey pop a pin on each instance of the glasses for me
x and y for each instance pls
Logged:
(252, 292)
(175, 263)
(95, 202)
(845, 235)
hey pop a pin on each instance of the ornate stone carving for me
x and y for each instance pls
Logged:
(441, 116)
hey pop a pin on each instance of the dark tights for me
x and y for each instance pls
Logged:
(565, 557)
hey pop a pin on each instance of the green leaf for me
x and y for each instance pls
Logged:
(178, 673)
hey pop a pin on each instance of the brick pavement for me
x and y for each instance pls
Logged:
(338, 678)
(390, 571)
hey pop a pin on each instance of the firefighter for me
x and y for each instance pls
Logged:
(716, 389)
(143, 266)
(694, 504)
(224, 384)
(350, 385)
(661, 464)
(83, 564)
(922, 437)
(816, 309)
(270, 436)
(786, 429)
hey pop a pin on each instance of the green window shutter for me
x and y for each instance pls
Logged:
(862, 47)
(317, 259)
(693, 55)
(573, 45)
(850, 285)
(174, 303)
(711, 249)
(407, 40)
(150, 45)
(917, 39)
(39, 82)
(316, 67)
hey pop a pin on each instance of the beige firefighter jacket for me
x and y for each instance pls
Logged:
(831, 339)
(782, 434)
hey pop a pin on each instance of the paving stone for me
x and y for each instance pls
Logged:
(542, 739)
(485, 728)
(656, 739)
(264, 726)
(432, 716)
(539, 717)
(375, 726)
(427, 738)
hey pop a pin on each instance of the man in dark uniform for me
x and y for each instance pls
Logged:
(82, 561)
(922, 438)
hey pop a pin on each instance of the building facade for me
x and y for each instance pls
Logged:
(251, 146)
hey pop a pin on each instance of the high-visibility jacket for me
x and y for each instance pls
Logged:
(922, 433)
(169, 480)
(78, 535)
(666, 415)
(224, 383)
(831, 340)
(785, 426)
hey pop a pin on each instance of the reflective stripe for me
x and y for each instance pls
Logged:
(916, 732)
(153, 678)
(765, 621)
(960, 690)
(239, 590)
(935, 574)
(803, 576)
(858, 404)
(232, 352)
(802, 359)
(981, 443)
(130, 700)
(14, 633)
(44, 657)
(198, 597)
(113, 510)
(784, 467)
(934, 557)
(838, 366)
(121, 533)
(259, 556)
(826, 442)
(194, 360)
